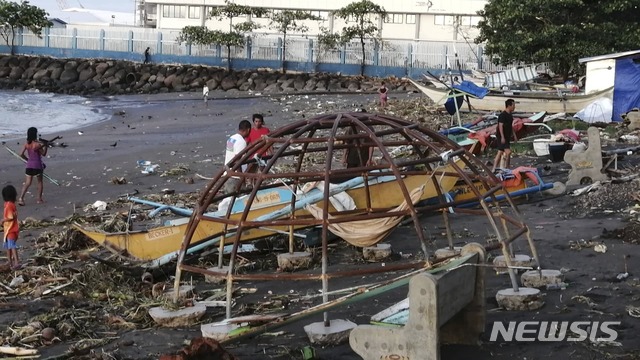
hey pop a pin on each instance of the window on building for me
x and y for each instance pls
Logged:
(411, 19)
(352, 18)
(174, 11)
(323, 15)
(475, 20)
(443, 20)
(194, 12)
(393, 19)
(465, 20)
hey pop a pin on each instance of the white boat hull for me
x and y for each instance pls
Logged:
(525, 101)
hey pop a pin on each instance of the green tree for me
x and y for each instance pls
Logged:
(557, 31)
(363, 13)
(288, 21)
(235, 37)
(20, 15)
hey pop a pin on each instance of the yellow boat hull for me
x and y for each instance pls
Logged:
(152, 244)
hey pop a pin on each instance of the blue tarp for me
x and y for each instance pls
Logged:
(626, 91)
(472, 89)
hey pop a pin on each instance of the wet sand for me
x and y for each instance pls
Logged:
(172, 130)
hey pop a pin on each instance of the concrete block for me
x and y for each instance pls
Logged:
(294, 261)
(535, 279)
(500, 263)
(216, 280)
(177, 318)
(447, 252)
(336, 333)
(523, 299)
(184, 292)
(377, 253)
(218, 331)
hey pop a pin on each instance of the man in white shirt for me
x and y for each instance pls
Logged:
(235, 144)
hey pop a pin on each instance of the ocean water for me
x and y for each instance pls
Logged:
(50, 113)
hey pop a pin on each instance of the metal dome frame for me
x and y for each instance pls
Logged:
(322, 134)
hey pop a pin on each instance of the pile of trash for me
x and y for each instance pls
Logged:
(604, 198)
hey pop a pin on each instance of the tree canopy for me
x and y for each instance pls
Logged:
(235, 37)
(287, 21)
(557, 31)
(15, 15)
(362, 13)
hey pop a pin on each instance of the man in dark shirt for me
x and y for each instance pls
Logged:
(503, 135)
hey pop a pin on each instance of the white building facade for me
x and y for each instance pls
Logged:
(429, 20)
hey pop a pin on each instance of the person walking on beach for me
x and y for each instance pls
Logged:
(34, 152)
(147, 55)
(205, 95)
(235, 144)
(382, 91)
(10, 226)
(503, 135)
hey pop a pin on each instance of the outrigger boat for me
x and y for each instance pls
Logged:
(526, 101)
(158, 246)
(483, 131)
(518, 182)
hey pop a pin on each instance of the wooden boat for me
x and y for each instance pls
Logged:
(526, 101)
(160, 245)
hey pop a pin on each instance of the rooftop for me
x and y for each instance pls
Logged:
(609, 56)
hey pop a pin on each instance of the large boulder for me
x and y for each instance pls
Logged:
(169, 80)
(16, 73)
(86, 74)
(212, 84)
(228, 83)
(56, 72)
(40, 74)
(69, 76)
(101, 68)
(71, 64)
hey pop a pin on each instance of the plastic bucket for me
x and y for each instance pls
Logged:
(556, 151)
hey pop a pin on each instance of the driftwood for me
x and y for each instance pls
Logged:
(12, 350)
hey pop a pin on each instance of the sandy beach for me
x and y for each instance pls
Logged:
(177, 131)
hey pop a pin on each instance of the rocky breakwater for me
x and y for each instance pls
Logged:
(96, 77)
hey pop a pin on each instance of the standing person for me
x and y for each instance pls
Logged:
(35, 167)
(10, 226)
(147, 55)
(257, 132)
(382, 91)
(235, 144)
(503, 135)
(205, 95)
(360, 152)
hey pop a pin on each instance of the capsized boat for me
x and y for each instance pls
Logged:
(160, 245)
(526, 101)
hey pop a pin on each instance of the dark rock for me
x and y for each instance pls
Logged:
(212, 84)
(86, 74)
(169, 80)
(16, 73)
(41, 74)
(228, 83)
(101, 68)
(70, 65)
